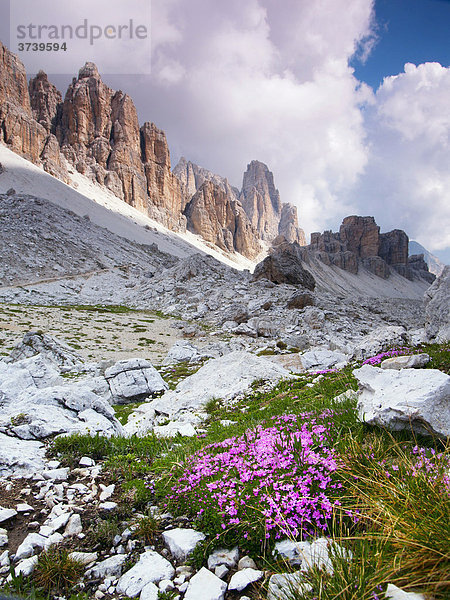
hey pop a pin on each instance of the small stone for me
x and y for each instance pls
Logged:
(243, 578)
(99, 595)
(149, 592)
(109, 567)
(6, 514)
(86, 461)
(108, 506)
(221, 571)
(205, 585)
(23, 508)
(228, 558)
(246, 563)
(151, 568)
(165, 585)
(107, 492)
(74, 525)
(281, 586)
(86, 558)
(395, 593)
(25, 567)
(181, 542)
(56, 474)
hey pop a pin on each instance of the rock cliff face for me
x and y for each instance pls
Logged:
(45, 100)
(18, 126)
(359, 242)
(261, 202)
(220, 219)
(99, 134)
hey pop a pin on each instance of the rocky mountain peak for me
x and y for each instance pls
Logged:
(45, 101)
(359, 242)
(89, 70)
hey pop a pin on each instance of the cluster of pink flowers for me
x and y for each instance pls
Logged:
(428, 463)
(375, 360)
(270, 482)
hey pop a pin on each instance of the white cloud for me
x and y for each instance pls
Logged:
(407, 180)
(260, 82)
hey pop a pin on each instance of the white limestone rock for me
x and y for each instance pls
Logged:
(242, 579)
(6, 514)
(380, 339)
(110, 567)
(320, 359)
(175, 428)
(31, 544)
(151, 568)
(181, 542)
(149, 592)
(182, 351)
(412, 361)
(205, 586)
(133, 380)
(223, 377)
(395, 593)
(54, 351)
(229, 558)
(24, 567)
(437, 308)
(74, 525)
(284, 586)
(85, 558)
(410, 398)
(70, 408)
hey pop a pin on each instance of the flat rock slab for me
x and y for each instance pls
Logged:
(223, 377)
(417, 399)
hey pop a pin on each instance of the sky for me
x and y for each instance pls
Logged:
(346, 101)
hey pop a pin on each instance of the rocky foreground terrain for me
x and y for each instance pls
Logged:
(96, 519)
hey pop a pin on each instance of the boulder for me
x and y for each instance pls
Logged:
(54, 351)
(417, 399)
(223, 377)
(411, 361)
(19, 457)
(285, 586)
(319, 359)
(205, 586)
(72, 408)
(437, 308)
(378, 340)
(134, 380)
(284, 267)
(151, 568)
(300, 300)
(182, 351)
(181, 542)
